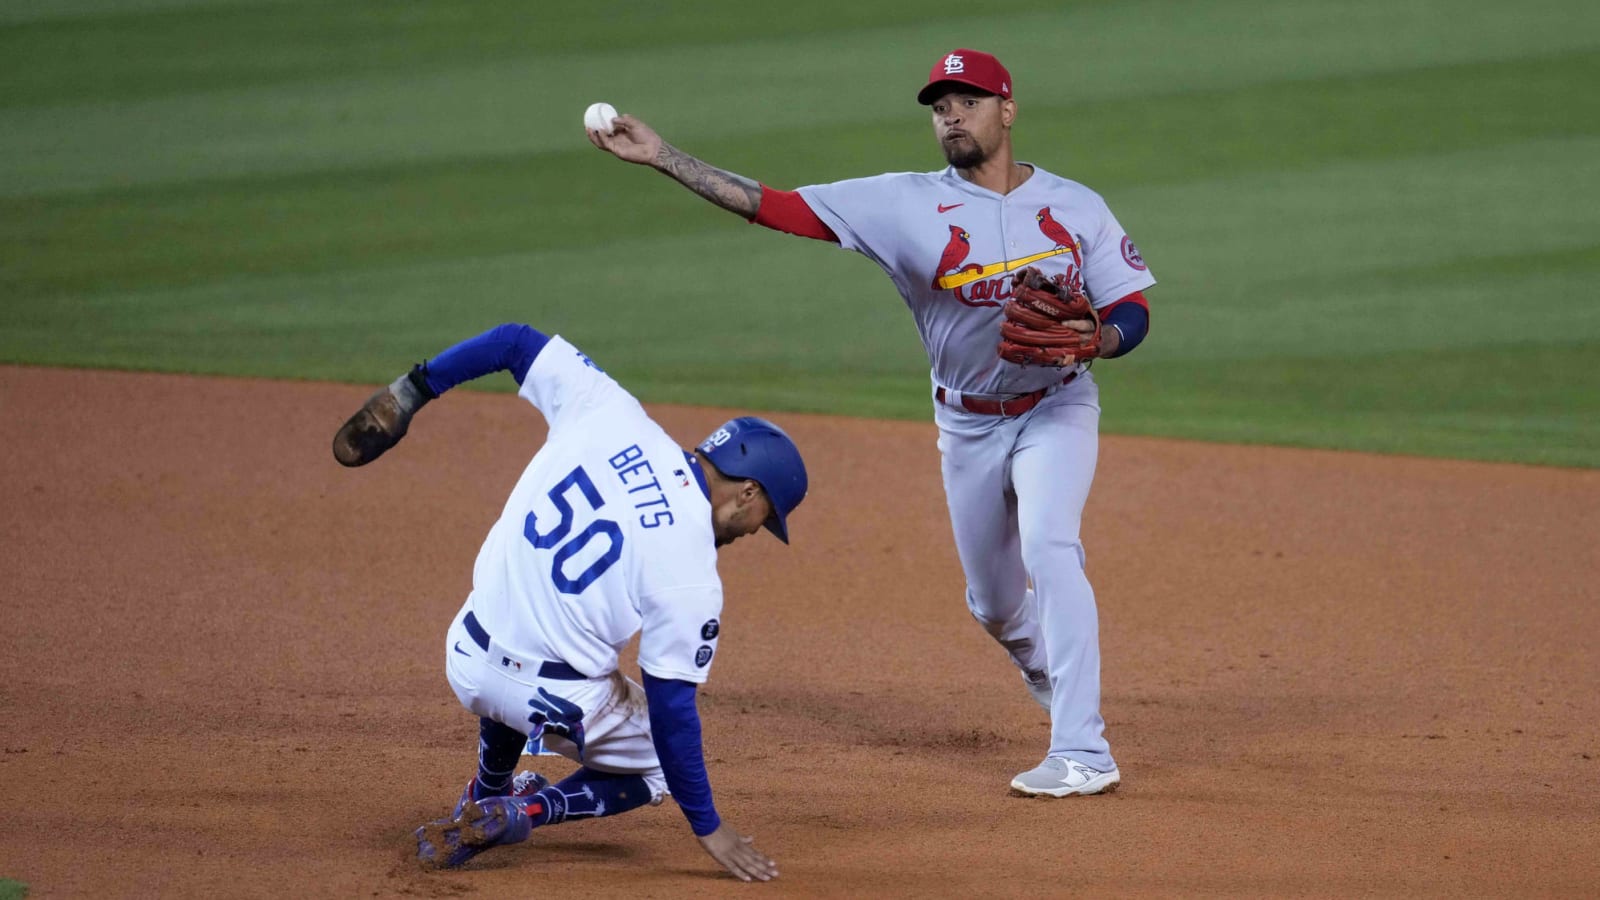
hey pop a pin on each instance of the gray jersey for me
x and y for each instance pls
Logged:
(950, 246)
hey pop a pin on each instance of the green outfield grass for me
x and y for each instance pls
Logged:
(1376, 223)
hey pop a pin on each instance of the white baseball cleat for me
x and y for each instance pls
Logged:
(1038, 682)
(1058, 777)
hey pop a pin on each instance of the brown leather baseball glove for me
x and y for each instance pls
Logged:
(382, 421)
(1047, 324)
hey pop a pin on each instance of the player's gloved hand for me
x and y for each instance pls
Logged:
(630, 140)
(382, 421)
(558, 716)
(1047, 324)
(738, 855)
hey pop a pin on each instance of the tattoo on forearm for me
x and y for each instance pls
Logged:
(734, 193)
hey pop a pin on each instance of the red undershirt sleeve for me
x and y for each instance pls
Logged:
(787, 211)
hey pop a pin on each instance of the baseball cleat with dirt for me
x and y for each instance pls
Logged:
(450, 843)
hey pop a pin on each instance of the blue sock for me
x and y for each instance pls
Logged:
(499, 748)
(587, 793)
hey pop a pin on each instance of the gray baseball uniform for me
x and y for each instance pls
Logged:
(1016, 484)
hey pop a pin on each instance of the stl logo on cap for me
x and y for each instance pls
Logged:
(969, 67)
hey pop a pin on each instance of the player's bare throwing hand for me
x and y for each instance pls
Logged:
(634, 141)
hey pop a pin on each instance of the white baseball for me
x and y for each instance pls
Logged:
(598, 117)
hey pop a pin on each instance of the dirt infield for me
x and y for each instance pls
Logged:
(1325, 673)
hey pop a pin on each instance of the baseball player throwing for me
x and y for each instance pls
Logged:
(1017, 279)
(611, 531)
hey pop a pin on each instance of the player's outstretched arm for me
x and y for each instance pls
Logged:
(383, 420)
(675, 730)
(737, 854)
(633, 141)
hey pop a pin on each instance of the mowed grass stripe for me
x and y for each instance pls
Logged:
(1421, 308)
(1299, 124)
(1431, 304)
(485, 205)
(1516, 405)
(531, 103)
(1298, 174)
(1330, 227)
(1229, 237)
(174, 48)
(19, 12)
(332, 221)
(150, 49)
(649, 305)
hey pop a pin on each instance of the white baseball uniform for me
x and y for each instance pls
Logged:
(1016, 485)
(607, 533)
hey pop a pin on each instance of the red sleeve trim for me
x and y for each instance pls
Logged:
(1136, 298)
(788, 212)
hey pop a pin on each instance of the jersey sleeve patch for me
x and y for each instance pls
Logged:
(1130, 254)
(679, 631)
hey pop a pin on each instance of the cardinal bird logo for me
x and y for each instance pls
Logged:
(1054, 230)
(954, 252)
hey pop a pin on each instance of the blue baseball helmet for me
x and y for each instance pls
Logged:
(753, 448)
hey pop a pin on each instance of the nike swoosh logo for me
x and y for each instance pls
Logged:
(945, 209)
(461, 651)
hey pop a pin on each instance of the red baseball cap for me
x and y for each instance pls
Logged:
(973, 68)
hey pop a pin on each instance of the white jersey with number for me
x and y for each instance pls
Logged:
(607, 533)
(950, 246)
